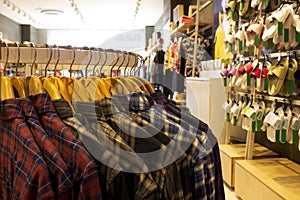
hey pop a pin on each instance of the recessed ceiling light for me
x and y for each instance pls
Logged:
(51, 12)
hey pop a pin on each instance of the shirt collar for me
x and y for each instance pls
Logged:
(43, 103)
(10, 109)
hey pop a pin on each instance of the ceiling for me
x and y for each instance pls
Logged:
(84, 14)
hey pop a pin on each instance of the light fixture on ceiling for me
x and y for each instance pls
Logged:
(51, 12)
(11, 6)
(76, 9)
(138, 4)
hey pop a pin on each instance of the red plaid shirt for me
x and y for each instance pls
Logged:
(84, 170)
(23, 172)
(59, 173)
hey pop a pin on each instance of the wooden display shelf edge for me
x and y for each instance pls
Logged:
(278, 178)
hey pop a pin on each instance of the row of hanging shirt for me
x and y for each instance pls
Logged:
(102, 138)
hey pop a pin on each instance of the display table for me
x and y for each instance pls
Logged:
(233, 152)
(272, 178)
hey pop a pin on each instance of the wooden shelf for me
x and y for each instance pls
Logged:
(202, 7)
(273, 178)
(233, 152)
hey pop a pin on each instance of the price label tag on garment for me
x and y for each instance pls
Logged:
(255, 82)
(295, 136)
(225, 82)
(280, 28)
(266, 84)
(286, 35)
(253, 126)
(297, 35)
(256, 40)
(283, 135)
(230, 47)
(285, 123)
(277, 136)
(290, 87)
(258, 125)
(240, 45)
(235, 110)
(226, 107)
(295, 123)
(248, 80)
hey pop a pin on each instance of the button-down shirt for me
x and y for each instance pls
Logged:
(108, 152)
(23, 171)
(59, 173)
(200, 149)
(193, 121)
(125, 126)
(81, 165)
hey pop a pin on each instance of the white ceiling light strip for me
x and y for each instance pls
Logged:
(138, 4)
(76, 9)
(9, 5)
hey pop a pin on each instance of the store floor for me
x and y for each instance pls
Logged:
(229, 193)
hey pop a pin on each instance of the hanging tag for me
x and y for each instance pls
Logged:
(264, 43)
(283, 135)
(231, 14)
(258, 125)
(256, 40)
(280, 28)
(290, 87)
(228, 117)
(248, 80)
(241, 5)
(286, 35)
(255, 82)
(225, 82)
(277, 136)
(272, 46)
(295, 136)
(266, 84)
(240, 45)
(234, 120)
(230, 47)
(297, 35)
(253, 126)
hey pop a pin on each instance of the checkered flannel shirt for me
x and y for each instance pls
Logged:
(81, 165)
(23, 171)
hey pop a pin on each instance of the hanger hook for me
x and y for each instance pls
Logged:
(135, 64)
(142, 61)
(57, 61)
(49, 60)
(19, 56)
(7, 56)
(99, 59)
(34, 57)
(90, 60)
(104, 63)
(123, 61)
(74, 56)
(127, 54)
(118, 58)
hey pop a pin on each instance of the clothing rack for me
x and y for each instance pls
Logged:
(68, 57)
